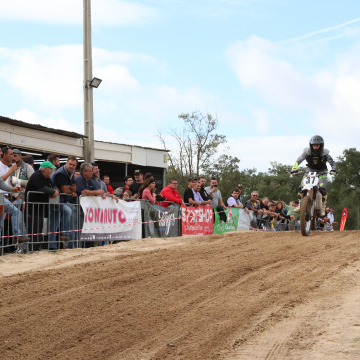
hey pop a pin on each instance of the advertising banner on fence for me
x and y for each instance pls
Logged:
(246, 220)
(165, 224)
(237, 219)
(197, 220)
(108, 220)
(231, 224)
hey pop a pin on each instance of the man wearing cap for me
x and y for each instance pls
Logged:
(135, 186)
(40, 181)
(17, 222)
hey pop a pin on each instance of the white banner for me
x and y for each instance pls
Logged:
(107, 220)
(245, 220)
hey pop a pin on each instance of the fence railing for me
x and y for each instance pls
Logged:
(52, 224)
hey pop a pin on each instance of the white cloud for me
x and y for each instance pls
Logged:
(100, 133)
(258, 151)
(52, 77)
(70, 12)
(330, 95)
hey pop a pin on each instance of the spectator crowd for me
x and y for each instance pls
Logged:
(51, 194)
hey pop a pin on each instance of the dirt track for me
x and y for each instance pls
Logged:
(243, 295)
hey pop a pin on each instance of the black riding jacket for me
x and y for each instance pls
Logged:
(315, 162)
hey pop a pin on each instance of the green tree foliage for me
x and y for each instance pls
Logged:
(226, 170)
(345, 188)
(194, 155)
(196, 145)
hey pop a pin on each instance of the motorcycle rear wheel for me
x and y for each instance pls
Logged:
(305, 212)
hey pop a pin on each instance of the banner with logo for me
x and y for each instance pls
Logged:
(108, 220)
(343, 219)
(161, 220)
(237, 219)
(246, 220)
(231, 223)
(197, 220)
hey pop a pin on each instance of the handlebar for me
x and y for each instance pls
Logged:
(306, 172)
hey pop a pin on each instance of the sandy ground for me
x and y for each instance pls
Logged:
(242, 295)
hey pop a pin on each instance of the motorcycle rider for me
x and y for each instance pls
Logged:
(316, 157)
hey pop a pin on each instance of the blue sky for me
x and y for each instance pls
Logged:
(275, 72)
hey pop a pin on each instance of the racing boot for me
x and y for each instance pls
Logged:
(323, 206)
(297, 210)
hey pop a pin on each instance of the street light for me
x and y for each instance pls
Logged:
(95, 82)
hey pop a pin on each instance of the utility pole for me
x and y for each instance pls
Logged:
(88, 90)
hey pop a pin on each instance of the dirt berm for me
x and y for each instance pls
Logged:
(204, 297)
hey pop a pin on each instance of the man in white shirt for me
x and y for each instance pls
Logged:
(233, 200)
(16, 215)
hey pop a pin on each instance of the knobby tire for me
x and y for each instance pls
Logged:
(306, 201)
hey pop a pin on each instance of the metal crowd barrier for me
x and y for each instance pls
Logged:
(50, 225)
(47, 224)
(275, 225)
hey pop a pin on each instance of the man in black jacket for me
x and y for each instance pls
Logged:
(37, 202)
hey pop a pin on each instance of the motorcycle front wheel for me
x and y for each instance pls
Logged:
(305, 216)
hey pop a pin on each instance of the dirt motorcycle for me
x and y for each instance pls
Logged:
(311, 203)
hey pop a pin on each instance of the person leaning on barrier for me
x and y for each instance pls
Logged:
(233, 201)
(170, 193)
(253, 203)
(4, 186)
(85, 185)
(280, 206)
(17, 223)
(269, 216)
(64, 179)
(37, 203)
(190, 197)
(293, 224)
(147, 190)
(197, 196)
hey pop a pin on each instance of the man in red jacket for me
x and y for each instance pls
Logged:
(170, 193)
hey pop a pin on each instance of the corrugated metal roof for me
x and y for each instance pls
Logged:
(143, 147)
(40, 127)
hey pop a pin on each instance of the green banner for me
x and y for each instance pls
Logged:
(221, 227)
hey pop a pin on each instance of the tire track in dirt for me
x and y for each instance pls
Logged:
(200, 300)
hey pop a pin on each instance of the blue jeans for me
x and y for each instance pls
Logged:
(17, 222)
(60, 216)
(75, 224)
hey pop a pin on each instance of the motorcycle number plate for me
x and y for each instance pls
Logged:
(311, 180)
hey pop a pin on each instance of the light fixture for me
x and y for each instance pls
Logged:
(95, 82)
